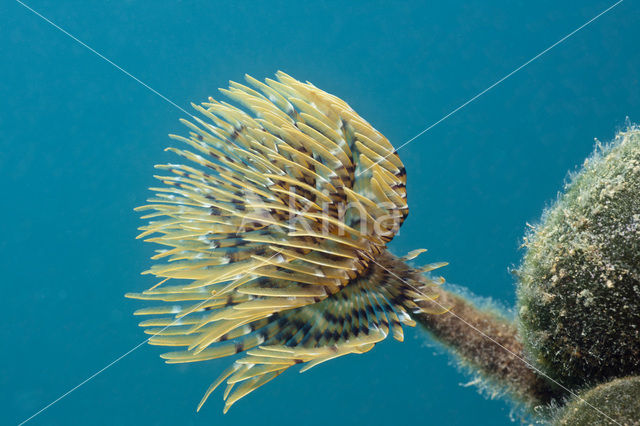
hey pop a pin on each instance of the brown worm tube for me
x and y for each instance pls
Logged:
(490, 344)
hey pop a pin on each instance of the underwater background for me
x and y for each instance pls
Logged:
(79, 140)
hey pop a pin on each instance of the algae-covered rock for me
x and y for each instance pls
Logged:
(613, 403)
(579, 282)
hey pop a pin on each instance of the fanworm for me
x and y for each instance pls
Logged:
(274, 231)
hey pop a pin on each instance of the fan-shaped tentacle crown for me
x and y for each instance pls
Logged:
(275, 235)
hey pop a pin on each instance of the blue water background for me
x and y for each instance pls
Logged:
(79, 139)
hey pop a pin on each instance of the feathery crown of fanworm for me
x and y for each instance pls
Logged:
(276, 236)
